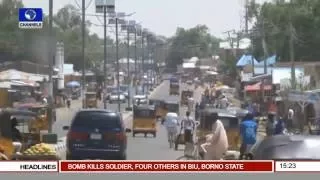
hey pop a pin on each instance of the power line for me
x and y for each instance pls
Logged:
(78, 5)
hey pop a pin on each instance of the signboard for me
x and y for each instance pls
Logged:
(303, 97)
(30, 18)
(109, 4)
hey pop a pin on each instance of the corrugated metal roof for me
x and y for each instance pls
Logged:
(246, 60)
(188, 65)
(13, 74)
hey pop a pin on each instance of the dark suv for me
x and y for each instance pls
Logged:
(96, 134)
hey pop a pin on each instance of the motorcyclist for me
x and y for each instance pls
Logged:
(217, 142)
(279, 127)
(270, 128)
(248, 132)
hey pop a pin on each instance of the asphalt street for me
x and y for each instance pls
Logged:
(140, 148)
(65, 115)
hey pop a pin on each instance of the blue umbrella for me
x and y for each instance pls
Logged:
(73, 84)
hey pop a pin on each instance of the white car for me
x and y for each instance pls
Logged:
(143, 99)
(189, 82)
(117, 96)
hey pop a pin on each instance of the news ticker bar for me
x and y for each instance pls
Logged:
(160, 166)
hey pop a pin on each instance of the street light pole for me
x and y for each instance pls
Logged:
(83, 25)
(105, 54)
(50, 59)
(142, 60)
(118, 66)
(128, 64)
(148, 62)
(135, 58)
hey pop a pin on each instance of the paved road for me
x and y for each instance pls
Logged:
(140, 148)
(65, 115)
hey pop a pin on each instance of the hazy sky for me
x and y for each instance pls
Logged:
(164, 16)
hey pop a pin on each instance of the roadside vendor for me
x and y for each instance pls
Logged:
(16, 135)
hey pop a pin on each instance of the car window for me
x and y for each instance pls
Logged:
(97, 119)
(144, 113)
(123, 88)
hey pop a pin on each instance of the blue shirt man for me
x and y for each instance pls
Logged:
(279, 127)
(248, 130)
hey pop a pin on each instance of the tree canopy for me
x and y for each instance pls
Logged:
(273, 19)
(187, 43)
(19, 44)
(31, 45)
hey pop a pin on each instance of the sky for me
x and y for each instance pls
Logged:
(164, 16)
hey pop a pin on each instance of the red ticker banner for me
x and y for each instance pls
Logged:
(166, 166)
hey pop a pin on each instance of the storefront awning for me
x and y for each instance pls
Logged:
(257, 87)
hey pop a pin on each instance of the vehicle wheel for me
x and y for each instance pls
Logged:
(154, 135)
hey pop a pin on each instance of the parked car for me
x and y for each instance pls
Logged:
(96, 134)
(189, 82)
(116, 96)
(125, 90)
(142, 98)
(109, 90)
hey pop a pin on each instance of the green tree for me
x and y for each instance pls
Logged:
(191, 42)
(276, 16)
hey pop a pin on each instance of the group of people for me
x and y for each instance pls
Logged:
(216, 144)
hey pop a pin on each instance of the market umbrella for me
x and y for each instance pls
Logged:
(73, 84)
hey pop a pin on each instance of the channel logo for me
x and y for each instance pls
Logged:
(30, 18)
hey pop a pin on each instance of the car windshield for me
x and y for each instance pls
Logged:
(110, 89)
(97, 119)
(123, 88)
(115, 92)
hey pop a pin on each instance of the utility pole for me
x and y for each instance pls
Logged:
(246, 16)
(252, 50)
(292, 54)
(128, 63)
(83, 52)
(50, 59)
(105, 54)
(148, 62)
(118, 66)
(142, 58)
(229, 37)
(135, 58)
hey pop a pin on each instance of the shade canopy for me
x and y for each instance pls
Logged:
(73, 84)
(257, 87)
